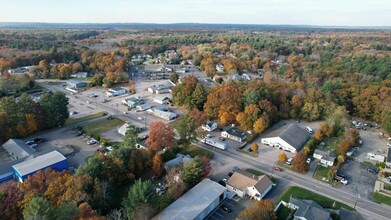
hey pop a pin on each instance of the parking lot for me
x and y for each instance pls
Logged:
(234, 209)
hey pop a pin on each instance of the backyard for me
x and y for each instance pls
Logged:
(306, 194)
(322, 172)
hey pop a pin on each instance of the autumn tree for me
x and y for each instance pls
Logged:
(324, 131)
(131, 86)
(352, 136)
(261, 210)
(161, 136)
(254, 147)
(338, 120)
(261, 124)
(247, 118)
(198, 116)
(282, 157)
(157, 165)
(344, 147)
(186, 128)
(10, 195)
(299, 162)
(206, 165)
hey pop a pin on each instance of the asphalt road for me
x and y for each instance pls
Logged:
(367, 208)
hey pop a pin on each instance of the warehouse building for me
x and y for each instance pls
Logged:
(116, 92)
(196, 204)
(291, 139)
(54, 160)
(17, 149)
(74, 84)
(162, 114)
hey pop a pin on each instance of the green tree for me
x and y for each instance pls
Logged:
(339, 119)
(174, 77)
(186, 128)
(198, 98)
(39, 208)
(139, 194)
(55, 108)
(193, 172)
(131, 137)
(67, 211)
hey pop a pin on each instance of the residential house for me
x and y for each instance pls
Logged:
(220, 67)
(195, 204)
(209, 126)
(326, 157)
(162, 114)
(180, 159)
(235, 134)
(308, 210)
(243, 183)
(162, 100)
(123, 129)
(142, 143)
(291, 139)
(347, 214)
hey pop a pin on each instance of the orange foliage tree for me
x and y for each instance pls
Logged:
(161, 136)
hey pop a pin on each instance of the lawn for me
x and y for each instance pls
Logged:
(306, 194)
(194, 151)
(72, 121)
(98, 127)
(283, 213)
(378, 197)
(255, 172)
(333, 143)
(321, 172)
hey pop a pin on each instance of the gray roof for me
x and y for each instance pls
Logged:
(195, 201)
(40, 162)
(347, 214)
(295, 136)
(326, 154)
(237, 133)
(179, 159)
(389, 155)
(309, 210)
(18, 148)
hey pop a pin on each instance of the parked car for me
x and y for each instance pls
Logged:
(30, 142)
(225, 209)
(230, 174)
(39, 140)
(372, 170)
(236, 169)
(34, 145)
(221, 139)
(360, 141)
(289, 161)
(224, 180)
(308, 160)
(309, 130)
(221, 182)
(389, 179)
(92, 141)
(388, 144)
(277, 169)
(74, 113)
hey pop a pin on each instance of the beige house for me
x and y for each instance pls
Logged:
(244, 183)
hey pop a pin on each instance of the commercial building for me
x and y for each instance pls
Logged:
(123, 129)
(162, 100)
(196, 204)
(74, 84)
(54, 160)
(82, 75)
(132, 102)
(17, 149)
(235, 134)
(162, 114)
(116, 92)
(161, 89)
(291, 139)
(243, 183)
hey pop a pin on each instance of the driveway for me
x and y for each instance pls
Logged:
(218, 213)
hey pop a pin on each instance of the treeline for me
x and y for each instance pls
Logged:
(255, 105)
(22, 117)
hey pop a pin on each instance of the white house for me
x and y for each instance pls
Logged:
(235, 134)
(162, 114)
(123, 129)
(220, 67)
(326, 157)
(209, 126)
(162, 100)
(291, 139)
(243, 183)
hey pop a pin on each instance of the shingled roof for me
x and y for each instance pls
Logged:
(309, 209)
(295, 136)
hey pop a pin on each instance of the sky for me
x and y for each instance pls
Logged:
(274, 12)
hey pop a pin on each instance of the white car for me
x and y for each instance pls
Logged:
(92, 141)
(289, 161)
(308, 160)
(389, 144)
(73, 113)
(309, 130)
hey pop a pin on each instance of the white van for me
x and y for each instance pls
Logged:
(309, 130)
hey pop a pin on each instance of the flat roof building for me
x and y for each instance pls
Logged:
(17, 149)
(54, 160)
(195, 204)
(74, 84)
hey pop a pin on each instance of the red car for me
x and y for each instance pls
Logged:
(277, 169)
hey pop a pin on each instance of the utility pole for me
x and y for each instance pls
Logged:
(358, 196)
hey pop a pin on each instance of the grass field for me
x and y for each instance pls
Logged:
(321, 172)
(306, 194)
(255, 172)
(100, 126)
(378, 197)
(194, 151)
(72, 121)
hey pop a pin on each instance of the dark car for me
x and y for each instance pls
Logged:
(39, 140)
(372, 170)
(221, 182)
(230, 174)
(225, 209)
